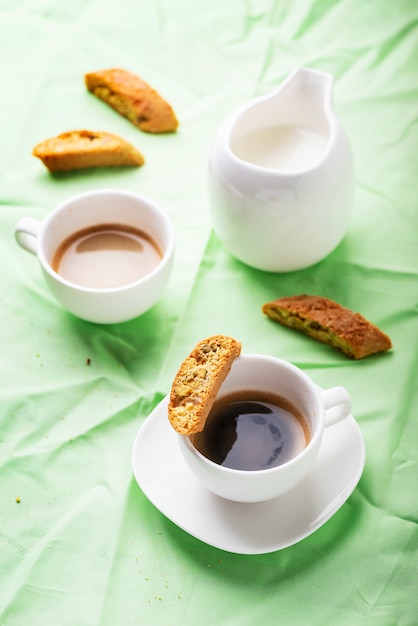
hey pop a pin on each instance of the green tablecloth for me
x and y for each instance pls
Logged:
(80, 544)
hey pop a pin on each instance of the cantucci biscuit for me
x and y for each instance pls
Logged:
(80, 149)
(329, 322)
(133, 98)
(198, 380)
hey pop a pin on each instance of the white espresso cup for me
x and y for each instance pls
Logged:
(135, 225)
(258, 376)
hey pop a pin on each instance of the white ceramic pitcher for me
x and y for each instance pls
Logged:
(281, 176)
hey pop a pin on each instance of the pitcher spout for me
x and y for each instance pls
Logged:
(311, 91)
(315, 82)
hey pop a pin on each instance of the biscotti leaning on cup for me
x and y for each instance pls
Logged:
(330, 323)
(133, 98)
(80, 149)
(198, 380)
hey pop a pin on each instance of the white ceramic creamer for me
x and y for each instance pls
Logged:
(281, 176)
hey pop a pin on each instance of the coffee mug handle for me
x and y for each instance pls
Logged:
(26, 233)
(337, 404)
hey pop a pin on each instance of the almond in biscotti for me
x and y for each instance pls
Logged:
(330, 323)
(133, 98)
(198, 380)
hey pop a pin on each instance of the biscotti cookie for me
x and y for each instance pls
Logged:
(80, 149)
(198, 381)
(330, 323)
(133, 98)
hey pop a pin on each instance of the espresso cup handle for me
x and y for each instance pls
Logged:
(337, 404)
(26, 233)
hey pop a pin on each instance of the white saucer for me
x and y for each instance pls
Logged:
(243, 528)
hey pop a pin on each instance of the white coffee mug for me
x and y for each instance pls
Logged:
(320, 408)
(88, 210)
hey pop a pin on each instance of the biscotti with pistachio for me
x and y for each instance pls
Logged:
(133, 98)
(198, 380)
(80, 149)
(330, 323)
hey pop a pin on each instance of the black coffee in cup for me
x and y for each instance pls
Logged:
(252, 430)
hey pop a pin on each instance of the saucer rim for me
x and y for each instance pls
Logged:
(177, 518)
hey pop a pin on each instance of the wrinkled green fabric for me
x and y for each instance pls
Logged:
(84, 546)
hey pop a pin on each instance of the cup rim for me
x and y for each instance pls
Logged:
(165, 260)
